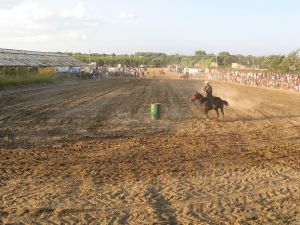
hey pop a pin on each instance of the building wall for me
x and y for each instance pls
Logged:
(46, 70)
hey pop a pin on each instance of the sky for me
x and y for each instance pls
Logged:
(258, 27)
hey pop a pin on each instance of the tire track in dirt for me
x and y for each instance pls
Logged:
(22, 98)
(61, 103)
(239, 171)
(52, 111)
(109, 106)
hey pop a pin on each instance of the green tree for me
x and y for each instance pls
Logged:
(224, 59)
(200, 53)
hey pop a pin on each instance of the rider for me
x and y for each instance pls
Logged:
(208, 90)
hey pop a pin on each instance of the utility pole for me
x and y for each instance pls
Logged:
(253, 65)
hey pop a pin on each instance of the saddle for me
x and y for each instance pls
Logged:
(211, 99)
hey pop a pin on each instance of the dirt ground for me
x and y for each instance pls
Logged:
(86, 152)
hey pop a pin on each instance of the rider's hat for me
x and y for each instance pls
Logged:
(207, 82)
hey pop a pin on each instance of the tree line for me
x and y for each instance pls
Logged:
(275, 63)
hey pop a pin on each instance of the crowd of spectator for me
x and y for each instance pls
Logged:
(256, 78)
(109, 72)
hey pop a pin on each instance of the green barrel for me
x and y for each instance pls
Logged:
(155, 111)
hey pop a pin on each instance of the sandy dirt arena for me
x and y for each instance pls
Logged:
(86, 152)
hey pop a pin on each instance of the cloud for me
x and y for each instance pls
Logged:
(79, 11)
(63, 36)
(124, 15)
(23, 16)
(6, 4)
(30, 22)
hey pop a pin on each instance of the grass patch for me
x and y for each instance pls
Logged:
(25, 80)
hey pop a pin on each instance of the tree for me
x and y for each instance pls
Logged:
(278, 63)
(294, 58)
(224, 59)
(224, 54)
(200, 53)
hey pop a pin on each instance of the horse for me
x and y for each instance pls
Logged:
(219, 103)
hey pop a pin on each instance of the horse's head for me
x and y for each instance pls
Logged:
(196, 96)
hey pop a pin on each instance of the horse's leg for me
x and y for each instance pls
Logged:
(222, 110)
(206, 113)
(217, 111)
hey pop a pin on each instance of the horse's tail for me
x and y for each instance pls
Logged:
(225, 103)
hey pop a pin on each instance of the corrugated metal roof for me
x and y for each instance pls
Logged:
(10, 57)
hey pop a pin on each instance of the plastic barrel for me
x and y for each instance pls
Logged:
(155, 111)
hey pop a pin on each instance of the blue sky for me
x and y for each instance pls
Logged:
(128, 26)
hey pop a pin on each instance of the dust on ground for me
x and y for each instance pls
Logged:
(87, 153)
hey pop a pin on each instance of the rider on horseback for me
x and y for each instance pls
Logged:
(208, 90)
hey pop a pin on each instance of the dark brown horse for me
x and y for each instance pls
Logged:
(218, 104)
